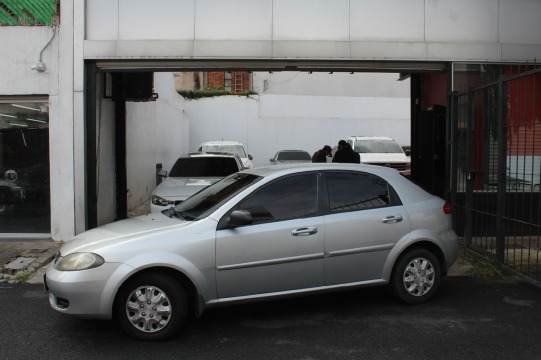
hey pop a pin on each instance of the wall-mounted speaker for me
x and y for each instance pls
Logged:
(135, 86)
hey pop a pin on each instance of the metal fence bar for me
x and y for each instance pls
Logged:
(496, 137)
(502, 175)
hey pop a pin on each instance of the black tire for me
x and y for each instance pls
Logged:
(416, 276)
(151, 307)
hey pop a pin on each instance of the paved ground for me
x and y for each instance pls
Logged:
(469, 318)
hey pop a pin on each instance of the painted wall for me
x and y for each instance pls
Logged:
(17, 57)
(157, 132)
(336, 84)
(494, 30)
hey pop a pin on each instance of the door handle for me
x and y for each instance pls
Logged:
(391, 219)
(305, 231)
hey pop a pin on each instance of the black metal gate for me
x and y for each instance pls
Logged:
(496, 164)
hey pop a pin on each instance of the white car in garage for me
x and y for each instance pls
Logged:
(229, 146)
(191, 173)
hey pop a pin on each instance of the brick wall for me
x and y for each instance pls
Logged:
(240, 80)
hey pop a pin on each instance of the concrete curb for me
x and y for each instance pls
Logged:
(26, 261)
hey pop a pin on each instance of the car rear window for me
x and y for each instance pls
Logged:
(377, 146)
(204, 167)
(356, 191)
(294, 156)
(237, 149)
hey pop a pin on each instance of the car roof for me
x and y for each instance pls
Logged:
(371, 138)
(299, 167)
(221, 142)
(209, 154)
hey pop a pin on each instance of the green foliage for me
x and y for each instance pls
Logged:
(27, 12)
(210, 92)
(23, 276)
(484, 265)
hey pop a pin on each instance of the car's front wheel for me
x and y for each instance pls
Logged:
(151, 307)
(416, 276)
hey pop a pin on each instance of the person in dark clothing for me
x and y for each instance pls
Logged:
(346, 154)
(320, 156)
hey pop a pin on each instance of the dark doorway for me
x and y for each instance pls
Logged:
(428, 150)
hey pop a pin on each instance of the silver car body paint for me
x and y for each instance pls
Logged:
(305, 255)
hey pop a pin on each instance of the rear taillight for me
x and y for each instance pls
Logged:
(447, 208)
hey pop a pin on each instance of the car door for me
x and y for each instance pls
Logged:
(365, 221)
(282, 250)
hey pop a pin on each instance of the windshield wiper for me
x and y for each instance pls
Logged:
(172, 211)
(182, 216)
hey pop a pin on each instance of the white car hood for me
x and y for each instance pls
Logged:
(172, 187)
(120, 231)
(383, 158)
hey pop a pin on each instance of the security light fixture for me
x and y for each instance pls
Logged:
(40, 65)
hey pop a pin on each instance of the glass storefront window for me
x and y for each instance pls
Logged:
(24, 166)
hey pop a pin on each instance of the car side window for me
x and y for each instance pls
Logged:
(287, 198)
(358, 191)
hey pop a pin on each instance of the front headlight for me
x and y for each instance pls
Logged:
(79, 261)
(156, 200)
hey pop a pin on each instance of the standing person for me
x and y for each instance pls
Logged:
(320, 156)
(346, 154)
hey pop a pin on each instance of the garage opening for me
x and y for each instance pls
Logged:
(107, 127)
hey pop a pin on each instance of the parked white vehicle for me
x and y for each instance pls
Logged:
(191, 173)
(382, 151)
(291, 157)
(229, 146)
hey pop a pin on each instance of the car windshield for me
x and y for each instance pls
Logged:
(204, 167)
(377, 146)
(237, 149)
(203, 203)
(294, 155)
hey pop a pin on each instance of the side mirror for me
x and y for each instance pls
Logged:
(240, 218)
(162, 173)
(408, 152)
(250, 157)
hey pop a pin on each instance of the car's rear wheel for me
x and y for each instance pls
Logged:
(151, 307)
(416, 276)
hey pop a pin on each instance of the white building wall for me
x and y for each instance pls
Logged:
(21, 47)
(156, 132)
(336, 84)
(485, 30)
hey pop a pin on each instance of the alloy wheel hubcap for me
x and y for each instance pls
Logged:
(419, 277)
(148, 308)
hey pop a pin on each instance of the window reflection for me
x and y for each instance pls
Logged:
(356, 191)
(24, 167)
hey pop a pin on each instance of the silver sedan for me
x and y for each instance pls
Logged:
(262, 233)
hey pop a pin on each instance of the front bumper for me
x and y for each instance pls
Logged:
(88, 293)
